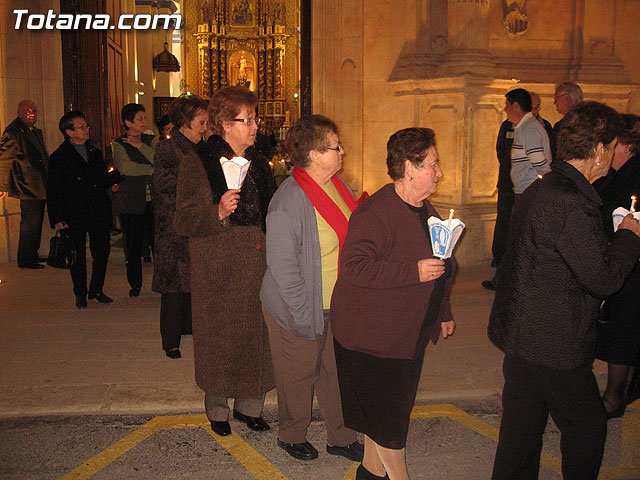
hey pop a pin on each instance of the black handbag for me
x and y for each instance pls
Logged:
(62, 253)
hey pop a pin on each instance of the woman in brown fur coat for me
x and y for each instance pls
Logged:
(226, 242)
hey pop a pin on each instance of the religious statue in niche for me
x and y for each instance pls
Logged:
(242, 70)
(242, 13)
(515, 16)
(279, 12)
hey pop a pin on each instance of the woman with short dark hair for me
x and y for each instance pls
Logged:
(557, 269)
(226, 229)
(171, 265)
(306, 226)
(133, 157)
(391, 298)
(618, 340)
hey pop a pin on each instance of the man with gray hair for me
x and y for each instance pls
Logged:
(23, 174)
(567, 96)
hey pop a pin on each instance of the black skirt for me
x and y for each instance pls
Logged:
(618, 340)
(378, 393)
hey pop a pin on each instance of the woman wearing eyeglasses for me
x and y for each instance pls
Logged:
(227, 247)
(306, 226)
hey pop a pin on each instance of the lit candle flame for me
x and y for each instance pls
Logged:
(450, 218)
(633, 204)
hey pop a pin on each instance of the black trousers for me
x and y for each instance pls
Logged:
(175, 318)
(133, 228)
(532, 392)
(99, 244)
(503, 219)
(31, 218)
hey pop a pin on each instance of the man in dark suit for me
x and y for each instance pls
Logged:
(536, 103)
(23, 175)
(78, 202)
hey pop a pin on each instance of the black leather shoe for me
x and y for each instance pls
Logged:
(300, 451)
(221, 428)
(81, 302)
(175, 353)
(353, 452)
(101, 297)
(134, 292)
(254, 423)
(32, 266)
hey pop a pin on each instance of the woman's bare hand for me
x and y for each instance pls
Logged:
(630, 223)
(448, 328)
(430, 269)
(228, 203)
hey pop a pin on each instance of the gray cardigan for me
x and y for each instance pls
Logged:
(292, 285)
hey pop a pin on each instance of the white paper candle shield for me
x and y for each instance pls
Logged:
(235, 171)
(444, 239)
(619, 213)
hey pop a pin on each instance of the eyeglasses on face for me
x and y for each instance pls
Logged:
(81, 127)
(249, 121)
(337, 149)
(556, 97)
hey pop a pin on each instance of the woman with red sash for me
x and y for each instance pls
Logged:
(306, 226)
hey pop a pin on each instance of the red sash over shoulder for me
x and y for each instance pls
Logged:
(323, 203)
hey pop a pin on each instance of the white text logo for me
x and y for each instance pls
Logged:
(100, 21)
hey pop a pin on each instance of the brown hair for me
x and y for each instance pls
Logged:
(584, 127)
(307, 134)
(409, 144)
(227, 103)
(185, 108)
(631, 133)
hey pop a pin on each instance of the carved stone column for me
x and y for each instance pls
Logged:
(468, 38)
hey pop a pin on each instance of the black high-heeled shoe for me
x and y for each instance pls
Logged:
(364, 474)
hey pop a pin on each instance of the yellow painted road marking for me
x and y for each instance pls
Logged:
(630, 447)
(104, 458)
(262, 469)
(351, 473)
(255, 463)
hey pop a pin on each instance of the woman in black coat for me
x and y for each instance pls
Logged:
(171, 275)
(557, 269)
(618, 341)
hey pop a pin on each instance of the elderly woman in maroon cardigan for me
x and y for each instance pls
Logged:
(391, 297)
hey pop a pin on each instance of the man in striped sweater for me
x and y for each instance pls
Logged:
(530, 153)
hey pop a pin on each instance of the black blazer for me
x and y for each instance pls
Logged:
(557, 269)
(77, 190)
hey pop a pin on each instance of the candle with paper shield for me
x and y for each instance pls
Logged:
(633, 204)
(235, 171)
(444, 234)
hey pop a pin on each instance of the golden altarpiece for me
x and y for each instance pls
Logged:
(247, 43)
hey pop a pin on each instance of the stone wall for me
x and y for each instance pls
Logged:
(446, 64)
(30, 67)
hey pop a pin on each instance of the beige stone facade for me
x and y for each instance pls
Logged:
(378, 66)
(446, 64)
(30, 67)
